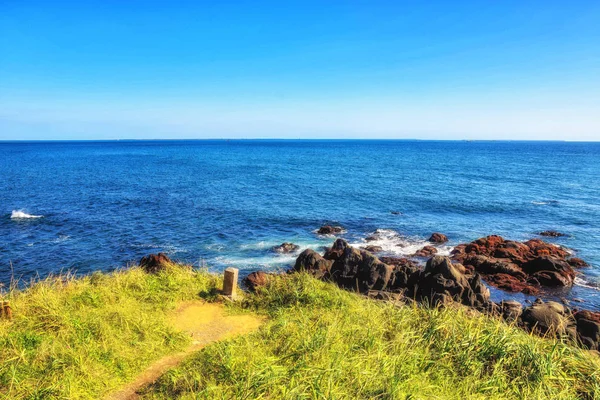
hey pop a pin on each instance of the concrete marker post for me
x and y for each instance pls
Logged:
(230, 279)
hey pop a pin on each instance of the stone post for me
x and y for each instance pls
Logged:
(230, 282)
(5, 310)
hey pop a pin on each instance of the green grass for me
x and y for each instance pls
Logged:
(81, 338)
(325, 343)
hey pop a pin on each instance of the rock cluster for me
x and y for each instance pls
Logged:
(154, 263)
(552, 234)
(360, 270)
(438, 238)
(518, 267)
(443, 281)
(330, 230)
(285, 248)
(255, 280)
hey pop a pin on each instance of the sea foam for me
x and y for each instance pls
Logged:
(19, 214)
(393, 243)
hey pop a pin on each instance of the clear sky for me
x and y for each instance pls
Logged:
(309, 69)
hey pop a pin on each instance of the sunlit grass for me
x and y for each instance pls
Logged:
(325, 343)
(74, 338)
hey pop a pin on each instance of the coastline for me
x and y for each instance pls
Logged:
(100, 331)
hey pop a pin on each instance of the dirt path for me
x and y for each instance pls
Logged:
(206, 323)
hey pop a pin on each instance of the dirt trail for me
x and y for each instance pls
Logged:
(206, 323)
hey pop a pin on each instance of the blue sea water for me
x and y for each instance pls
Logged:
(103, 205)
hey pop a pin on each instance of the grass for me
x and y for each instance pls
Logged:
(79, 338)
(325, 343)
(82, 338)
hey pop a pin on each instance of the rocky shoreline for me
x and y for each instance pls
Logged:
(528, 267)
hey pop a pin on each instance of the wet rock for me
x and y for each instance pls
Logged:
(577, 262)
(438, 238)
(550, 271)
(441, 281)
(510, 284)
(336, 250)
(531, 264)
(551, 234)
(425, 252)
(511, 310)
(489, 265)
(154, 263)
(285, 248)
(312, 262)
(549, 318)
(588, 329)
(330, 230)
(540, 248)
(255, 280)
(374, 249)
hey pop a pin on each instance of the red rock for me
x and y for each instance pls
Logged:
(510, 283)
(589, 315)
(426, 251)
(373, 249)
(438, 238)
(256, 279)
(577, 262)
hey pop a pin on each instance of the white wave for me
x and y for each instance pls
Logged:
(583, 283)
(61, 238)
(544, 202)
(20, 214)
(395, 244)
(258, 246)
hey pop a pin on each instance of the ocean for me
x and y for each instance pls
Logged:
(87, 206)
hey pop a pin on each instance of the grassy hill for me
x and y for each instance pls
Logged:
(82, 338)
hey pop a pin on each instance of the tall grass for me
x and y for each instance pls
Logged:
(80, 338)
(325, 343)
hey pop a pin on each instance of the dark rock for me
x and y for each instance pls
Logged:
(549, 318)
(336, 250)
(488, 265)
(426, 251)
(438, 238)
(551, 234)
(550, 271)
(154, 263)
(360, 270)
(511, 310)
(373, 249)
(286, 248)
(330, 230)
(588, 328)
(312, 262)
(441, 281)
(577, 262)
(256, 279)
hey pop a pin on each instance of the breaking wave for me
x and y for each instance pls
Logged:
(19, 214)
(393, 243)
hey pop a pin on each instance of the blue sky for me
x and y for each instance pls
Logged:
(335, 69)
